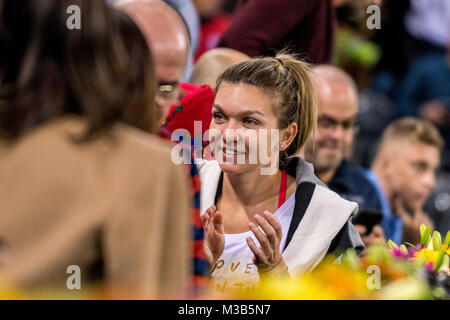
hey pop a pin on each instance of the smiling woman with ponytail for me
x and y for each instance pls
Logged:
(278, 224)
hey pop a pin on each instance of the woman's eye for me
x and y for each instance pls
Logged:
(218, 116)
(250, 121)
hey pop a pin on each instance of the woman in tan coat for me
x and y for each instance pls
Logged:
(85, 199)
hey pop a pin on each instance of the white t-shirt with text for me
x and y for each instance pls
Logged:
(235, 269)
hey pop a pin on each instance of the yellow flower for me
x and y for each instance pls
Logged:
(330, 282)
(426, 255)
(446, 248)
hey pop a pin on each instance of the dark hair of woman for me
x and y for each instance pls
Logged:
(48, 70)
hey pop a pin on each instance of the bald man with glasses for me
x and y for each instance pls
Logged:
(168, 39)
(331, 145)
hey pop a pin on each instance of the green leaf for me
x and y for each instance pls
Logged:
(392, 244)
(422, 230)
(411, 245)
(439, 260)
(437, 241)
(446, 262)
(447, 238)
(425, 235)
(404, 250)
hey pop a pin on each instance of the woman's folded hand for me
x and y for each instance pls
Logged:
(267, 257)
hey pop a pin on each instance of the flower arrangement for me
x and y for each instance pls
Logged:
(403, 271)
(431, 257)
(431, 252)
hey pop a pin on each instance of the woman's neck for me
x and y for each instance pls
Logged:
(251, 188)
(247, 194)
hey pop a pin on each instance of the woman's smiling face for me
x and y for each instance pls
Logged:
(239, 113)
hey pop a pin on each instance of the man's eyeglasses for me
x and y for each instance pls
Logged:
(328, 123)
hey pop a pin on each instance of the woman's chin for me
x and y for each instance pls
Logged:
(234, 168)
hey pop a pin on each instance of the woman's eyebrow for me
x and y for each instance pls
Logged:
(251, 112)
(217, 107)
(243, 113)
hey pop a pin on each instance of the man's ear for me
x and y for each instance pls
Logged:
(385, 164)
(288, 135)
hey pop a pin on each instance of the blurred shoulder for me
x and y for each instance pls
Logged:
(140, 141)
(123, 146)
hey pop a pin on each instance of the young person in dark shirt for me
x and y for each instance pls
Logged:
(403, 173)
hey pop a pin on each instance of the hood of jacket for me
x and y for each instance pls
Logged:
(324, 212)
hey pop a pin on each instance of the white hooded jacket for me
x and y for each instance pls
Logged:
(321, 219)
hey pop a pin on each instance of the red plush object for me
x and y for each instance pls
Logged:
(195, 105)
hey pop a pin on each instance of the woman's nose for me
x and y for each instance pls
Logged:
(230, 130)
(230, 135)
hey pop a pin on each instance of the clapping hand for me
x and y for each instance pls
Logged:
(267, 257)
(212, 221)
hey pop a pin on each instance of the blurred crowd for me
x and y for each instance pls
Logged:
(140, 70)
